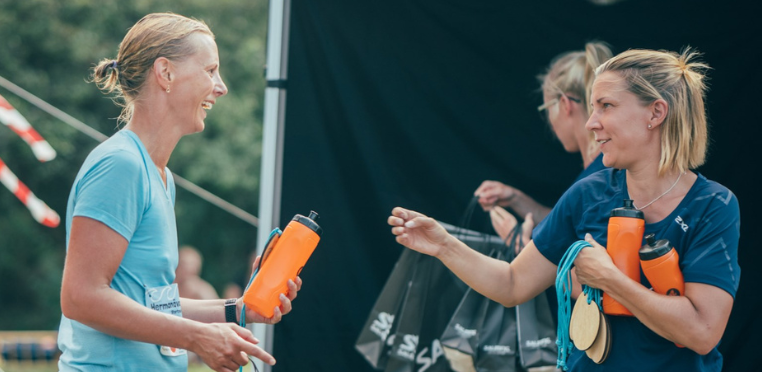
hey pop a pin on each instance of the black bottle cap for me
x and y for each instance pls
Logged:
(654, 249)
(627, 210)
(310, 222)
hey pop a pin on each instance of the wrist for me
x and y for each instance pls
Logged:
(448, 248)
(509, 197)
(231, 310)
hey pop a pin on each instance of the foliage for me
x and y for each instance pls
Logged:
(48, 48)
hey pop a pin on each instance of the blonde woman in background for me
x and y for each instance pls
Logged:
(566, 88)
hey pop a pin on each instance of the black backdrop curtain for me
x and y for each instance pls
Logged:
(414, 103)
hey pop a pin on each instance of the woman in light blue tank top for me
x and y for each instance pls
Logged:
(121, 309)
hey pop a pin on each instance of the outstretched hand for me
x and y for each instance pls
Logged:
(418, 232)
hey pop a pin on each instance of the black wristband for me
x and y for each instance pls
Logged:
(230, 311)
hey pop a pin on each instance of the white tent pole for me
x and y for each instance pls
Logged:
(272, 140)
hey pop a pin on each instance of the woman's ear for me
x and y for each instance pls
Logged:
(162, 72)
(565, 104)
(659, 111)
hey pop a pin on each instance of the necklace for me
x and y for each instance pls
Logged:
(658, 197)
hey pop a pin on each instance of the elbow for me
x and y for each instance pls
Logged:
(67, 304)
(705, 346)
(71, 303)
(703, 341)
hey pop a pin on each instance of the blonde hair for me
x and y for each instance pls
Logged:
(572, 73)
(155, 35)
(680, 80)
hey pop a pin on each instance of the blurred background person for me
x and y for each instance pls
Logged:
(188, 276)
(566, 91)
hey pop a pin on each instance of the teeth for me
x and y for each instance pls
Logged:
(602, 141)
(206, 105)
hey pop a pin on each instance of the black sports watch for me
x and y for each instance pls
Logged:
(230, 311)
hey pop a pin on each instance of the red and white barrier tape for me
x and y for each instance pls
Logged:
(42, 150)
(13, 119)
(40, 211)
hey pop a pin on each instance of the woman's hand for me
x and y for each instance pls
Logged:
(285, 302)
(492, 193)
(594, 266)
(418, 232)
(225, 346)
(504, 223)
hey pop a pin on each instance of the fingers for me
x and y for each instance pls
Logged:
(293, 288)
(248, 347)
(527, 226)
(589, 239)
(398, 230)
(502, 221)
(482, 187)
(405, 214)
(502, 213)
(240, 359)
(277, 314)
(263, 356)
(255, 263)
(298, 285)
(488, 194)
(401, 215)
(243, 333)
(285, 305)
(228, 347)
(255, 351)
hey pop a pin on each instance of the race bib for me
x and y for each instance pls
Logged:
(166, 299)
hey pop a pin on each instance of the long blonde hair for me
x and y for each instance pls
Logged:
(155, 35)
(572, 73)
(680, 80)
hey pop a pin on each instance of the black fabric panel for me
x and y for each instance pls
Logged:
(414, 103)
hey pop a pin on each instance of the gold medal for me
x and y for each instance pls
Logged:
(585, 323)
(602, 345)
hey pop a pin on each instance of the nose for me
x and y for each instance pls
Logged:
(220, 89)
(592, 122)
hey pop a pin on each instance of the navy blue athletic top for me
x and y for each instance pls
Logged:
(704, 229)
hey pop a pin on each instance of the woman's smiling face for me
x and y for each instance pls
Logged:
(197, 83)
(619, 120)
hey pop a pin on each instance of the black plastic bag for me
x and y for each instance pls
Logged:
(497, 346)
(481, 335)
(405, 349)
(377, 335)
(536, 333)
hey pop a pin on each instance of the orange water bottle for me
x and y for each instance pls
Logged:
(282, 260)
(625, 237)
(661, 266)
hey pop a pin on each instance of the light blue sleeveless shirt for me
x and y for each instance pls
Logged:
(119, 185)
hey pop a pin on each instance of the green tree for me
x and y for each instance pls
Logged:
(48, 48)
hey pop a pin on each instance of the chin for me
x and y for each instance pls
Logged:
(607, 161)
